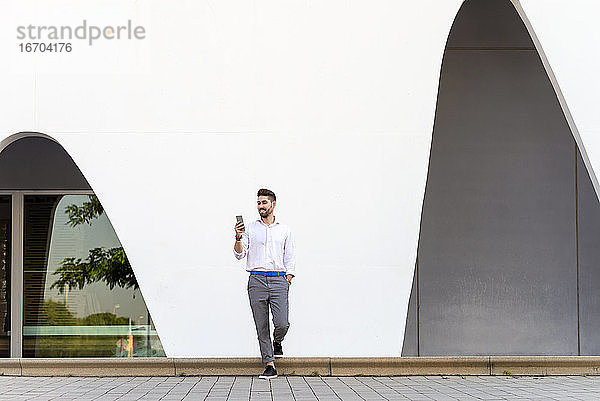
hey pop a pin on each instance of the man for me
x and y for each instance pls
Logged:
(269, 247)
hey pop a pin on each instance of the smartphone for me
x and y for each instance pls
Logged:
(240, 220)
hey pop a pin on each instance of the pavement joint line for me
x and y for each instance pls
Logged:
(360, 379)
(393, 389)
(351, 388)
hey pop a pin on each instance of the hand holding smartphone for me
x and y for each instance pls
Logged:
(239, 226)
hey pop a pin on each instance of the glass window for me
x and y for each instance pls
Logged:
(80, 294)
(5, 234)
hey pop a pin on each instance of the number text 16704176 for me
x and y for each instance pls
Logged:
(40, 47)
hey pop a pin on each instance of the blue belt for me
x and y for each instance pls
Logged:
(268, 274)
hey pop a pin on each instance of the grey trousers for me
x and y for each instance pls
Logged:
(263, 292)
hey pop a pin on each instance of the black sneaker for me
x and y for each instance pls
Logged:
(269, 373)
(277, 350)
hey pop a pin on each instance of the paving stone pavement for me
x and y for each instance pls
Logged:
(300, 388)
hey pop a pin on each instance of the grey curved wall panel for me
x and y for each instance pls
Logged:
(410, 346)
(497, 270)
(588, 213)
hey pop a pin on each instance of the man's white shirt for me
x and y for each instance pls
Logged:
(268, 248)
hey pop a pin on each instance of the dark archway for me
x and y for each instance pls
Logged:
(35, 163)
(66, 285)
(510, 230)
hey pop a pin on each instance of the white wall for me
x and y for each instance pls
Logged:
(330, 104)
(568, 34)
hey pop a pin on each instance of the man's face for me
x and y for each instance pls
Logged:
(265, 206)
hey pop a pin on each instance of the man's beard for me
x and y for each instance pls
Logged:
(264, 213)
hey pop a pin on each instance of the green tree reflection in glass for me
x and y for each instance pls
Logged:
(110, 266)
(67, 328)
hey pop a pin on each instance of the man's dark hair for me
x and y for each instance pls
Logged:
(267, 192)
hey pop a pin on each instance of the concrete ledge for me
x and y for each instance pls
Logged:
(545, 365)
(217, 366)
(398, 366)
(10, 367)
(304, 366)
(250, 366)
(404, 366)
(97, 367)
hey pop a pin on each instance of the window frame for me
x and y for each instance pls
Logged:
(16, 262)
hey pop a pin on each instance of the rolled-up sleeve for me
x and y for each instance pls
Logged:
(245, 243)
(289, 255)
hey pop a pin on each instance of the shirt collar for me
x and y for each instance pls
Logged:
(276, 222)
